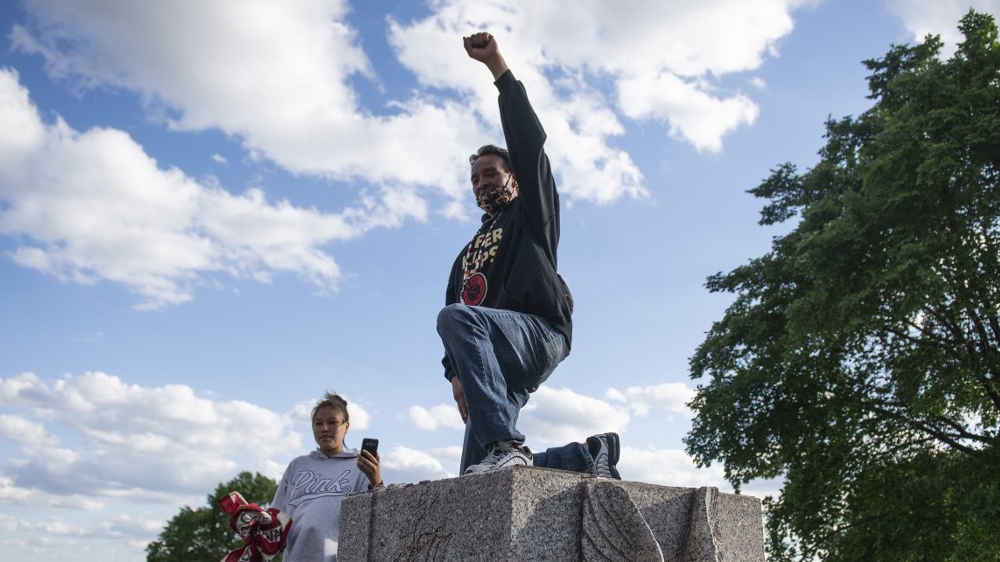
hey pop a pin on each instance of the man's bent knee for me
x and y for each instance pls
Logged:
(452, 314)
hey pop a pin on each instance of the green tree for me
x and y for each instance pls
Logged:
(860, 359)
(203, 534)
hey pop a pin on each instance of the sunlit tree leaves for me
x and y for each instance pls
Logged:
(860, 359)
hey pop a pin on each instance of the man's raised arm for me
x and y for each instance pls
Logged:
(483, 47)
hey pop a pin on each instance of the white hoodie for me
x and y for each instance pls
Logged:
(310, 493)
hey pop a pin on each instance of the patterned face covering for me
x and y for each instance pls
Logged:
(494, 201)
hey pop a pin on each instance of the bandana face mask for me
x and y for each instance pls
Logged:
(494, 201)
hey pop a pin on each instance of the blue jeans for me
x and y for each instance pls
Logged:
(574, 457)
(500, 357)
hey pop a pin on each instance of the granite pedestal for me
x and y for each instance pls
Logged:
(536, 514)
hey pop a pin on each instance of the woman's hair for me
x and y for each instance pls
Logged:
(331, 401)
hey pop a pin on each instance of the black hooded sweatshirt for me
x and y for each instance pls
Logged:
(511, 261)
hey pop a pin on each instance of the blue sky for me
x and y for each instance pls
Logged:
(213, 212)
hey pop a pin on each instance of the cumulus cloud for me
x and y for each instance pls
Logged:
(12, 494)
(661, 57)
(556, 416)
(404, 464)
(114, 459)
(275, 76)
(690, 112)
(25, 432)
(939, 17)
(131, 440)
(93, 205)
(671, 397)
(94, 456)
(553, 416)
(439, 416)
(668, 467)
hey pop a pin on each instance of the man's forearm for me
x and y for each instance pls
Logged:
(497, 66)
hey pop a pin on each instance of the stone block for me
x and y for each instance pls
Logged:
(538, 514)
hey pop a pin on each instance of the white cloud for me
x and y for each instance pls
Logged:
(121, 526)
(416, 465)
(129, 447)
(8, 524)
(421, 418)
(25, 432)
(668, 467)
(439, 416)
(58, 526)
(133, 441)
(559, 416)
(12, 494)
(23, 133)
(360, 418)
(939, 17)
(671, 52)
(555, 416)
(306, 116)
(93, 206)
(276, 76)
(691, 112)
(75, 502)
(90, 206)
(671, 397)
(112, 461)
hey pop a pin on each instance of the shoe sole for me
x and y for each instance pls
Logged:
(614, 452)
(614, 448)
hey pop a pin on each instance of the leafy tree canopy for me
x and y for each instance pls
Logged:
(203, 534)
(860, 359)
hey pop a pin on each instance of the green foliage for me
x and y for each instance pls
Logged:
(860, 359)
(203, 534)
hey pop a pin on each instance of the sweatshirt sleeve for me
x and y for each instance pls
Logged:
(281, 493)
(525, 139)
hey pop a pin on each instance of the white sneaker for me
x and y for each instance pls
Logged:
(502, 454)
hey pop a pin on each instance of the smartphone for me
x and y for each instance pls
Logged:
(369, 444)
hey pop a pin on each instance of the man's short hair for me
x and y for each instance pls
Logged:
(496, 150)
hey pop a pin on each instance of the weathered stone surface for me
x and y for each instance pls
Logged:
(528, 513)
(613, 528)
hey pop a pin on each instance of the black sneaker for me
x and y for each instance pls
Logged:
(605, 448)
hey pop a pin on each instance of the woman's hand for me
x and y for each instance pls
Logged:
(369, 465)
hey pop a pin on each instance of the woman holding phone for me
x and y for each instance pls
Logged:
(314, 485)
